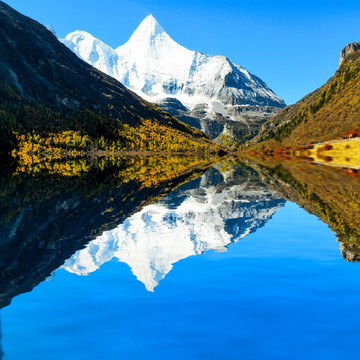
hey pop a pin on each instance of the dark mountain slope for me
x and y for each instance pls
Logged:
(323, 115)
(47, 88)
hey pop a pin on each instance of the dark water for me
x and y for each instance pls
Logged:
(162, 258)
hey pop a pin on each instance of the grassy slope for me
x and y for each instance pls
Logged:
(320, 116)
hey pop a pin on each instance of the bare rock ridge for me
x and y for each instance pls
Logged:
(348, 50)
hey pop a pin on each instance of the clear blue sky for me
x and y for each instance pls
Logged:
(292, 45)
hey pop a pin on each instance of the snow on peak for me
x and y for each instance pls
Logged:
(156, 67)
(147, 30)
(151, 59)
(93, 51)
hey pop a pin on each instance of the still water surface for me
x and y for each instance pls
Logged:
(221, 267)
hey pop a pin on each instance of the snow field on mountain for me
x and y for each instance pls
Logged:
(156, 67)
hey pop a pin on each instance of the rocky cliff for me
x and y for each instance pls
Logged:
(348, 50)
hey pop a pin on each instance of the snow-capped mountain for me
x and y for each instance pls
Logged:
(211, 88)
(207, 214)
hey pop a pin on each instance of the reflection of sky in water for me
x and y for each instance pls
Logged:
(283, 292)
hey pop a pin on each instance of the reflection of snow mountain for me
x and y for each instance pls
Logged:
(209, 213)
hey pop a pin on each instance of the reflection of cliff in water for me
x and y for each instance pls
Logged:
(328, 192)
(210, 213)
(45, 218)
(350, 250)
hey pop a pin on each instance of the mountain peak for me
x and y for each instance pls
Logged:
(79, 34)
(150, 21)
(147, 30)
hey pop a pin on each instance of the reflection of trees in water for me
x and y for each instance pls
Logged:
(328, 192)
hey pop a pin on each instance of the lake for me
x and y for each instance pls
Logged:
(179, 258)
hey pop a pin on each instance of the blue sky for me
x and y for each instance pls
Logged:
(293, 45)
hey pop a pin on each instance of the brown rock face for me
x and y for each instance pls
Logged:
(348, 49)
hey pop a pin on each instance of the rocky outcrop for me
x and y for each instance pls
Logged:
(241, 123)
(348, 50)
